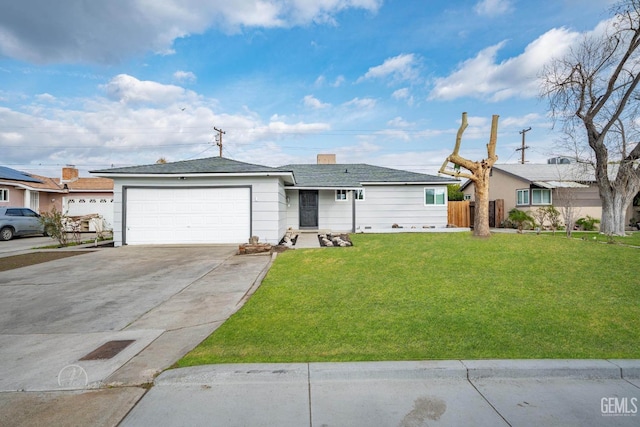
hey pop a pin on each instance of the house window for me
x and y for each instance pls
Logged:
(4, 195)
(522, 197)
(358, 194)
(467, 196)
(540, 196)
(434, 196)
(341, 195)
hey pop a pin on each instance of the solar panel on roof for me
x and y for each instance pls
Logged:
(14, 175)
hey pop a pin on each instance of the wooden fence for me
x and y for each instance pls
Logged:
(458, 214)
(461, 214)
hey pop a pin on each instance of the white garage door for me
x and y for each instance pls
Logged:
(187, 215)
(81, 206)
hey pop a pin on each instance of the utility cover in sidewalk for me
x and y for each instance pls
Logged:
(108, 350)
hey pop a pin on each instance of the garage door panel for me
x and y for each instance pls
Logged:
(183, 216)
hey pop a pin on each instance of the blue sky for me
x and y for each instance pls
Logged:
(125, 82)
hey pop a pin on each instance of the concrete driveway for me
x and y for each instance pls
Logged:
(164, 300)
(19, 244)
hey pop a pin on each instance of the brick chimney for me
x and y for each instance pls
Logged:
(326, 159)
(69, 173)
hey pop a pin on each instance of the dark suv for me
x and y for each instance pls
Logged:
(19, 222)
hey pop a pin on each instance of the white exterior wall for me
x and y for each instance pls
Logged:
(385, 205)
(266, 209)
(332, 214)
(293, 209)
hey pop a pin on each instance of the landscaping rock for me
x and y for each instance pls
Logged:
(334, 240)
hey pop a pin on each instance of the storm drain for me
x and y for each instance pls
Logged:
(108, 350)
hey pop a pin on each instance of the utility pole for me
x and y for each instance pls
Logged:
(524, 147)
(219, 138)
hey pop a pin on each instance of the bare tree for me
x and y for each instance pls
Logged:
(595, 87)
(478, 173)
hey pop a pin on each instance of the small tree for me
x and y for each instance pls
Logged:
(54, 223)
(547, 215)
(454, 194)
(520, 218)
(553, 216)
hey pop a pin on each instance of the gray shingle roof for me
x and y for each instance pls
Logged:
(14, 175)
(546, 172)
(208, 165)
(306, 175)
(353, 175)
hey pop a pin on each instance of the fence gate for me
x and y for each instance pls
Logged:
(462, 214)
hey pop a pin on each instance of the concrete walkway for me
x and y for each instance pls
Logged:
(432, 393)
(307, 240)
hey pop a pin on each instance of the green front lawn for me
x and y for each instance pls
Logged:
(632, 238)
(438, 296)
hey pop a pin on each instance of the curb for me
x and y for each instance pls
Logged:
(576, 369)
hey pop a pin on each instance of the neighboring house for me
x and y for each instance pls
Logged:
(529, 186)
(70, 194)
(219, 200)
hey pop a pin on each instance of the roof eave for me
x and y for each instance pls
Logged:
(410, 182)
(112, 175)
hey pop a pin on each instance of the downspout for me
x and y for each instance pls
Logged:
(353, 211)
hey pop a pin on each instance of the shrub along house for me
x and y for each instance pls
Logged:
(219, 200)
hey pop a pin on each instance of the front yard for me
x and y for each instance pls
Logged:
(438, 296)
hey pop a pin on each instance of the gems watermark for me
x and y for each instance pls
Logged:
(619, 406)
(73, 376)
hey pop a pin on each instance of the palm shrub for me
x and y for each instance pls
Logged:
(588, 223)
(520, 218)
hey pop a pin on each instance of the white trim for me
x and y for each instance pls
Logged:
(358, 191)
(5, 191)
(436, 190)
(193, 175)
(542, 204)
(411, 183)
(346, 195)
(295, 187)
(528, 190)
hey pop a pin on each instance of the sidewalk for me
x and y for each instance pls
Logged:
(434, 393)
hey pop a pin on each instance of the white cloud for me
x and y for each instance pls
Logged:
(46, 97)
(136, 122)
(492, 7)
(129, 90)
(322, 80)
(483, 77)
(403, 94)
(364, 103)
(401, 68)
(119, 29)
(399, 122)
(338, 82)
(311, 102)
(184, 76)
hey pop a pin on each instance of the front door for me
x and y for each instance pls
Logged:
(308, 209)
